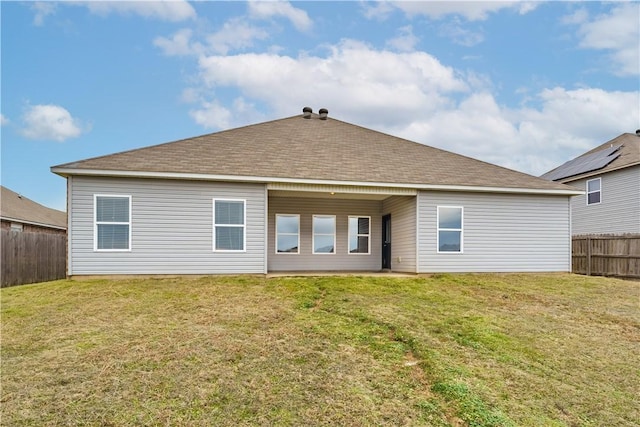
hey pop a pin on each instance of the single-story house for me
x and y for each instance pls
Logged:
(18, 213)
(309, 193)
(609, 175)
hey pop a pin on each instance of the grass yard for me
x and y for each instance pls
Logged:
(448, 350)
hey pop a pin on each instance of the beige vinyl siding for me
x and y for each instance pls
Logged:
(403, 232)
(171, 227)
(619, 207)
(341, 260)
(501, 233)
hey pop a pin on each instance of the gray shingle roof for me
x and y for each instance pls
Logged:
(629, 155)
(16, 207)
(296, 148)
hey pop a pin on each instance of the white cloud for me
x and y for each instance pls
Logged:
(267, 9)
(3, 120)
(534, 140)
(458, 34)
(379, 10)
(570, 122)
(405, 41)
(165, 10)
(235, 34)
(414, 96)
(617, 32)
(363, 81)
(213, 115)
(42, 9)
(580, 16)
(190, 95)
(50, 122)
(582, 112)
(470, 10)
(179, 44)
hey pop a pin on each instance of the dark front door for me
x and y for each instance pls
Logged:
(386, 242)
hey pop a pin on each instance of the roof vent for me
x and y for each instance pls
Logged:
(323, 113)
(306, 112)
(637, 132)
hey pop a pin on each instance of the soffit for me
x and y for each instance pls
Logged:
(336, 191)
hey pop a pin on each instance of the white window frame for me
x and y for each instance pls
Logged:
(368, 235)
(591, 192)
(96, 223)
(461, 230)
(313, 234)
(278, 233)
(243, 225)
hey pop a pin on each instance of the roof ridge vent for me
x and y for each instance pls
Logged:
(306, 112)
(323, 113)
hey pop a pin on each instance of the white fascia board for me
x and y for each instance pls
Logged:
(501, 190)
(258, 179)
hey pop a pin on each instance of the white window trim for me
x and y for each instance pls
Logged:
(359, 235)
(313, 235)
(243, 225)
(461, 230)
(287, 234)
(591, 192)
(95, 222)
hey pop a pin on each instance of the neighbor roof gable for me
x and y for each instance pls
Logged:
(299, 149)
(627, 155)
(15, 207)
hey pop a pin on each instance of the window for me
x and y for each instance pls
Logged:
(16, 226)
(228, 225)
(449, 229)
(112, 231)
(359, 232)
(594, 191)
(324, 234)
(287, 234)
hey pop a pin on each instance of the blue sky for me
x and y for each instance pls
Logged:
(526, 85)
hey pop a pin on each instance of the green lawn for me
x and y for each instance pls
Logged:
(447, 350)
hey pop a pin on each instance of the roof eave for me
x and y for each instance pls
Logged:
(39, 224)
(65, 172)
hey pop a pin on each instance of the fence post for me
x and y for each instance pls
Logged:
(588, 256)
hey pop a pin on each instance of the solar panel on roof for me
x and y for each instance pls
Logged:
(586, 163)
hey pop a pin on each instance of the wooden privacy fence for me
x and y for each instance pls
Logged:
(606, 255)
(32, 257)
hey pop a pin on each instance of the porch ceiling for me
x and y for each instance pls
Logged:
(337, 191)
(319, 195)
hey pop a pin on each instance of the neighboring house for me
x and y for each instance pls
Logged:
(18, 213)
(310, 193)
(609, 175)
(34, 241)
